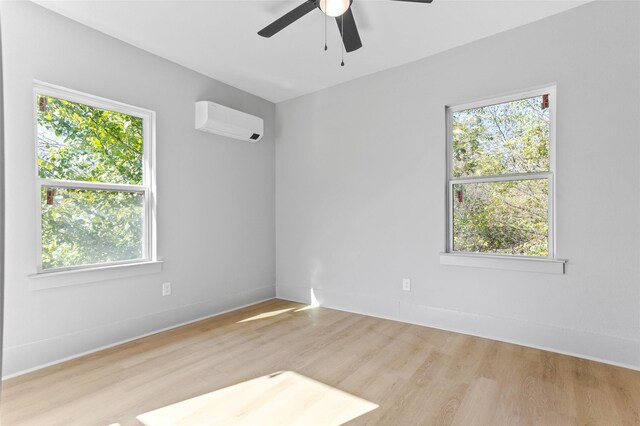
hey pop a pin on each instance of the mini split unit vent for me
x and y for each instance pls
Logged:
(221, 120)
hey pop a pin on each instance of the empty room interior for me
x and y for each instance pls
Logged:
(320, 212)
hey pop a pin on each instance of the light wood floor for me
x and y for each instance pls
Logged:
(394, 373)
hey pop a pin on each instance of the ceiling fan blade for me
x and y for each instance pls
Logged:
(288, 19)
(351, 36)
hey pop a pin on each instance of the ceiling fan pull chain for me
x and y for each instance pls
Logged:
(325, 32)
(342, 63)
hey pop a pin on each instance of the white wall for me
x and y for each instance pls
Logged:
(216, 225)
(360, 184)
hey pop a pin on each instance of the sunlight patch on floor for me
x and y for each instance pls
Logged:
(305, 308)
(266, 315)
(282, 398)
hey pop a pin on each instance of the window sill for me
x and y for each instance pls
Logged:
(47, 280)
(528, 264)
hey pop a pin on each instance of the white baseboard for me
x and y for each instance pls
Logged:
(22, 359)
(607, 349)
(614, 350)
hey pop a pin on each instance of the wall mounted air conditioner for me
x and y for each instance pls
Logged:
(222, 120)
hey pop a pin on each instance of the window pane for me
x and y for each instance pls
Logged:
(512, 137)
(80, 142)
(83, 227)
(501, 217)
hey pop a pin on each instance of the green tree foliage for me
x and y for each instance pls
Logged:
(507, 217)
(83, 143)
(80, 142)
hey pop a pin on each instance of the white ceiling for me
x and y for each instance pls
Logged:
(218, 38)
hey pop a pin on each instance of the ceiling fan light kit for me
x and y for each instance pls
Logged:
(338, 9)
(334, 8)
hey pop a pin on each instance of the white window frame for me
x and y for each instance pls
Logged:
(148, 186)
(550, 175)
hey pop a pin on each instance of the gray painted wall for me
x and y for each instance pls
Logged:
(360, 184)
(216, 225)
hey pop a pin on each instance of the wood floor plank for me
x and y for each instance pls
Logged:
(413, 375)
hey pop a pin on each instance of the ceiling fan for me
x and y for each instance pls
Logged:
(339, 9)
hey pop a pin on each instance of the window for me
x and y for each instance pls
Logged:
(500, 176)
(95, 181)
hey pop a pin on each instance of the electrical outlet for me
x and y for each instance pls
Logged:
(166, 289)
(406, 284)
